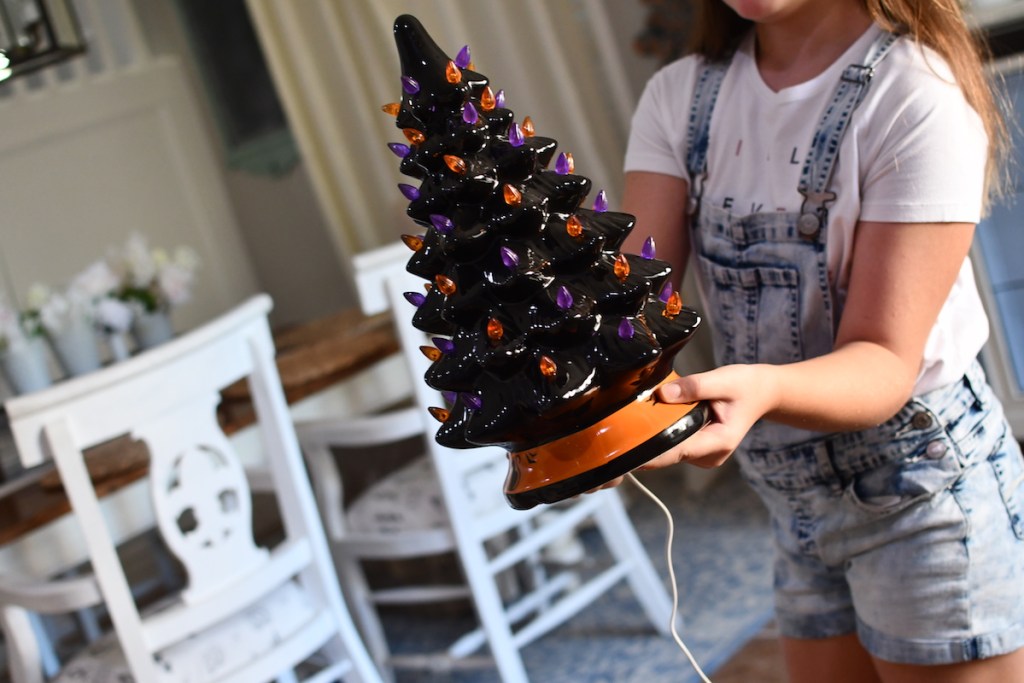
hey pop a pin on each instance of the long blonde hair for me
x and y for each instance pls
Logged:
(938, 24)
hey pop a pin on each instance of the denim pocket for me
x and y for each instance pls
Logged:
(932, 466)
(1007, 463)
(757, 310)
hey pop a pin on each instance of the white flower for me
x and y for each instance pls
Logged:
(176, 283)
(153, 279)
(98, 280)
(37, 297)
(141, 264)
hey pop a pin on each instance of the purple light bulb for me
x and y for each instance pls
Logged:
(509, 258)
(499, 99)
(409, 85)
(449, 397)
(564, 298)
(648, 250)
(411, 193)
(442, 223)
(472, 401)
(601, 202)
(515, 135)
(469, 113)
(401, 151)
(626, 330)
(446, 346)
(562, 164)
(666, 293)
(415, 298)
(463, 59)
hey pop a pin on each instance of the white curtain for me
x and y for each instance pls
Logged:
(334, 63)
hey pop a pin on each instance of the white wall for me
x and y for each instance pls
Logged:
(285, 236)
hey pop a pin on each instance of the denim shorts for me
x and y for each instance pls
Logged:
(910, 534)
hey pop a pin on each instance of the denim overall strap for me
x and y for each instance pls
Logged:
(767, 281)
(709, 80)
(816, 176)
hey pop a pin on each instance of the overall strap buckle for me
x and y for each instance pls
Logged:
(861, 74)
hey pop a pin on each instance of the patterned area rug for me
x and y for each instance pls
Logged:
(722, 559)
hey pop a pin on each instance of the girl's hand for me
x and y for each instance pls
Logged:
(738, 395)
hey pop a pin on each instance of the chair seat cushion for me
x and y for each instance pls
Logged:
(407, 499)
(206, 655)
(410, 498)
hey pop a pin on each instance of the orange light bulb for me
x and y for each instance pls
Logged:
(487, 101)
(439, 414)
(547, 366)
(574, 226)
(432, 353)
(414, 242)
(513, 197)
(445, 284)
(621, 267)
(528, 128)
(391, 108)
(453, 73)
(495, 330)
(673, 306)
(414, 136)
(455, 164)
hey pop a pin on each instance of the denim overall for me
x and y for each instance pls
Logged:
(871, 527)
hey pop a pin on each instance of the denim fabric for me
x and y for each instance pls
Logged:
(766, 286)
(910, 533)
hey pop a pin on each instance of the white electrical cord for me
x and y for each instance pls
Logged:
(671, 575)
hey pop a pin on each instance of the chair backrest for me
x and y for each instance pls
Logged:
(471, 479)
(167, 398)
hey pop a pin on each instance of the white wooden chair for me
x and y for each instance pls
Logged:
(472, 513)
(247, 613)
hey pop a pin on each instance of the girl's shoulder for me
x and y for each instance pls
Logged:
(678, 72)
(669, 88)
(915, 72)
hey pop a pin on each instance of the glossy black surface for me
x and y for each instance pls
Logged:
(576, 340)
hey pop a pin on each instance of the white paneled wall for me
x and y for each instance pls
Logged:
(108, 144)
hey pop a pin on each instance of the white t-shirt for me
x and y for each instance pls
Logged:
(914, 152)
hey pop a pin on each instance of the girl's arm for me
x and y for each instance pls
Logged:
(901, 275)
(659, 203)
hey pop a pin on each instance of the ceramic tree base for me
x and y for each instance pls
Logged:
(585, 460)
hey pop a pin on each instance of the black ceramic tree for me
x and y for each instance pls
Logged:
(548, 341)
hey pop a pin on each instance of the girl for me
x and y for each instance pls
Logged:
(822, 165)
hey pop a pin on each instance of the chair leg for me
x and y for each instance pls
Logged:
(491, 612)
(25, 648)
(620, 535)
(358, 596)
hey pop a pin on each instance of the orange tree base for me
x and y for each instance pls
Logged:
(593, 456)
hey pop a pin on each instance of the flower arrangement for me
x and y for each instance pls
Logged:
(23, 358)
(83, 300)
(17, 328)
(153, 279)
(113, 296)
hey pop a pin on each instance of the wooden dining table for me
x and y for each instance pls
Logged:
(343, 363)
